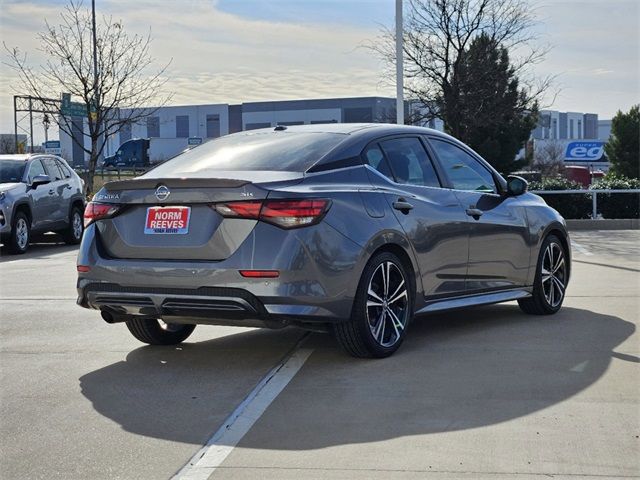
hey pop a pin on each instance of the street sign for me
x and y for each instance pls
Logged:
(52, 147)
(194, 141)
(72, 109)
(585, 151)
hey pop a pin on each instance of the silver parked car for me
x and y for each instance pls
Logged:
(38, 193)
(351, 228)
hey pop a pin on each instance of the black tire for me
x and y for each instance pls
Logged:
(543, 301)
(20, 226)
(73, 233)
(357, 335)
(152, 332)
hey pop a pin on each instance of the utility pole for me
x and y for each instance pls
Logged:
(399, 67)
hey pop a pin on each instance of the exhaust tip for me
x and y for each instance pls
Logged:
(108, 317)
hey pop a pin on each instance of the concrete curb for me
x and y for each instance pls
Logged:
(604, 224)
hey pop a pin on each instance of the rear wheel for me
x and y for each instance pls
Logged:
(73, 234)
(382, 310)
(156, 332)
(20, 234)
(551, 280)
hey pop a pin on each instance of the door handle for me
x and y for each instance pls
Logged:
(474, 212)
(402, 205)
(52, 191)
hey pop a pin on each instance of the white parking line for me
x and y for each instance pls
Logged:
(581, 249)
(220, 445)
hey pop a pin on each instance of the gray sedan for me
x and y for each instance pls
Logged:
(348, 228)
(38, 193)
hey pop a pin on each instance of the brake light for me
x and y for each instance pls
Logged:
(283, 213)
(260, 273)
(293, 213)
(97, 211)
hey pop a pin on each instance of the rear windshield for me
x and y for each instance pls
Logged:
(280, 151)
(11, 171)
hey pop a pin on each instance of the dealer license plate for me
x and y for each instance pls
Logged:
(167, 220)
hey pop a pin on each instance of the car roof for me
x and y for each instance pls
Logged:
(348, 128)
(18, 157)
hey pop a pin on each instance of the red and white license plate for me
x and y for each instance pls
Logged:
(167, 220)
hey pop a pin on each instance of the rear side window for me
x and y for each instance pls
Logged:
(409, 162)
(63, 168)
(281, 151)
(375, 158)
(52, 169)
(464, 171)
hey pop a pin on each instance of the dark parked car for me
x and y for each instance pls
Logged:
(38, 193)
(351, 228)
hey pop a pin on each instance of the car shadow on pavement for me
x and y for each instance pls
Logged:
(41, 246)
(455, 371)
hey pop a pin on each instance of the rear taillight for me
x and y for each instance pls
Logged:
(96, 211)
(283, 213)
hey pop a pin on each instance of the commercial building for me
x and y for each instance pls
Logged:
(205, 122)
(555, 125)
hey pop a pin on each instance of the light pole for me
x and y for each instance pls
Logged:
(399, 68)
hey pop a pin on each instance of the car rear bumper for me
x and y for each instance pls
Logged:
(312, 287)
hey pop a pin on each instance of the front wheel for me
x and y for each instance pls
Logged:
(20, 234)
(382, 309)
(156, 332)
(550, 283)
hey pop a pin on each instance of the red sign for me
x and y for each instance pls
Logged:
(167, 220)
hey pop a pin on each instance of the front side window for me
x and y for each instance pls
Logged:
(409, 162)
(464, 171)
(35, 169)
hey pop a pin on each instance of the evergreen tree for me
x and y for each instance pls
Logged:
(492, 114)
(623, 147)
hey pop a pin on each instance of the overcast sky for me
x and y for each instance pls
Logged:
(231, 51)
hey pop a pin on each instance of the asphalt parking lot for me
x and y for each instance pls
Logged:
(484, 393)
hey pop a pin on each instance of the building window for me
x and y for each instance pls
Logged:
(213, 126)
(358, 115)
(153, 127)
(182, 126)
(579, 128)
(253, 126)
(290, 123)
(571, 129)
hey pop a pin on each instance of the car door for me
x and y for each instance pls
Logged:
(430, 216)
(56, 190)
(41, 201)
(498, 246)
(70, 189)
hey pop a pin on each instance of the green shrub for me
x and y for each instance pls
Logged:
(618, 205)
(568, 205)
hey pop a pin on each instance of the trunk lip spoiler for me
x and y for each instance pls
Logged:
(152, 183)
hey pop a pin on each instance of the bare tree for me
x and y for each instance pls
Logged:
(114, 95)
(436, 35)
(548, 158)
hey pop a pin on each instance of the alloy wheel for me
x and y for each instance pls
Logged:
(387, 304)
(22, 233)
(77, 225)
(553, 274)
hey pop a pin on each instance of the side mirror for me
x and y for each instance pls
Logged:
(516, 185)
(40, 180)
